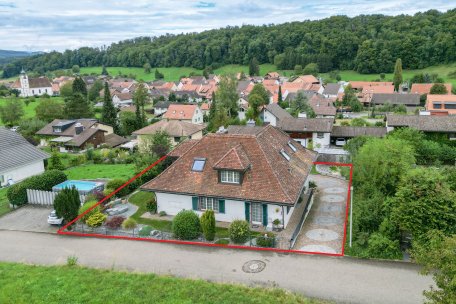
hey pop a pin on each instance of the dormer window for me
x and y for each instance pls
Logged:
(230, 177)
(284, 154)
(57, 130)
(198, 164)
(291, 146)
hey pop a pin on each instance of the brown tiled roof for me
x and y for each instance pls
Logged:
(307, 125)
(124, 96)
(234, 159)
(40, 82)
(80, 139)
(277, 111)
(306, 79)
(426, 123)
(48, 130)
(183, 147)
(322, 106)
(425, 88)
(358, 85)
(270, 178)
(113, 140)
(174, 128)
(180, 111)
(346, 131)
(237, 129)
(396, 99)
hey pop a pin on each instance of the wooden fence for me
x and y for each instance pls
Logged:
(44, 198)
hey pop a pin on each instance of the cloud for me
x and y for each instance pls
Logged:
(59, 25)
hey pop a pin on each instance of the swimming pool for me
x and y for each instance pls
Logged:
(83, 187)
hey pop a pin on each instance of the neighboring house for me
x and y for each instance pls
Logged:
(309, 130)
(323, 107)
(205, 107)
(73, 135)
(113, 140)
(347, 132)
(243, 107)
(32, 86)
(441, 104)
(333, 90)
(426, 123)
(408, 100)
(177, 131)
(18, 158)
(272, 75)
(425, 88)
(161, 107)
(122, 99)
(184, 112)
(259, 177)
(272, 114)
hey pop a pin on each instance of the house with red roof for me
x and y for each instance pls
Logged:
(184, 112)
(254, 173)
(425, 88)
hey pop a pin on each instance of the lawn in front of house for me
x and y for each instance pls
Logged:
(73, 284)
(94, 171)
(4, 203)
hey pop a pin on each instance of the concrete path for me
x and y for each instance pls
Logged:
(343, 280)
(323, 230)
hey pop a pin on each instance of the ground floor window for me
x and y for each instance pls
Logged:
(257, 213)
(208, 203)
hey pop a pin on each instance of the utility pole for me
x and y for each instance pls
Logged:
(351, 214)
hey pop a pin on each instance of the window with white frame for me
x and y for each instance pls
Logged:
(208, 203)
(284, 154)
(231, 177)
(291, 146)
(257, 213)
(320, 135)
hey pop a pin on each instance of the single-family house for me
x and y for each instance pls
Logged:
(177, 131)
(333, 90)
(122, 99)
(184, 112)
(18, 158)
(323, 107)
(259, 177)
(315, 132)
(425, 88)
(348, 132)
(273, 114)
(161, 107)
(425, 123)
(441, 104)
(411, 101)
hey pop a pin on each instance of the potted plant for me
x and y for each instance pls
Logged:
(276, 224)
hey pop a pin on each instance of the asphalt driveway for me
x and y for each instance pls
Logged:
(28, 218)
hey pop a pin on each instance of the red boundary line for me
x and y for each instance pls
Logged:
(62, 231)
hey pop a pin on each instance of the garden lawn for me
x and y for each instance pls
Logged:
(29, 110)
(22, 283)
(4, 203)
(93, 171)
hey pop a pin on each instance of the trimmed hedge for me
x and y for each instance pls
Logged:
(17, 194)
(239, 231)
(208, 224)
(186, 225)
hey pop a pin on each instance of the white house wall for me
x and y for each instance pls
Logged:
(197, 117)
(321, 142)
(19, 173)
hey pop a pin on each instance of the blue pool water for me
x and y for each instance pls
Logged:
(81, 186)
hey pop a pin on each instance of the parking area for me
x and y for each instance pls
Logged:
(28, 218)
(323, 230)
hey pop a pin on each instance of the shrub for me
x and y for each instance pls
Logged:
(97, 159)
(379, 246)
(266, 240)
(162, 213)
(222, 241)
(72, 260)
(115, 222)
(129, 224)
(96, 219)
(17, 194)
(208, 224)
(55, 163)
(116, 183)
(145, 231)
(186, 225)
(67, 203)
(87, 205)
(312, 184)
(239, 231)
(151, 205)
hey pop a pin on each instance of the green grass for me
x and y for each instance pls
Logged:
(4, 203)
(93, 171)
(22, 283)
(29, 110)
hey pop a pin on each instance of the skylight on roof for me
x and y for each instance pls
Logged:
(284, 154)
(291, 146)
(198, 164)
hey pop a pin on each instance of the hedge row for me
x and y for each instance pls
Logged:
(17, 194)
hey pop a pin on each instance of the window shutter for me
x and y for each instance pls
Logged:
(221, 206)
(195, 203)
(247, 211)
(265, 214)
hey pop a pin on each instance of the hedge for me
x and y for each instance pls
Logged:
(186, 225)
(17, 194)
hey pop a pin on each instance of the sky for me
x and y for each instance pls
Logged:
(30, 25)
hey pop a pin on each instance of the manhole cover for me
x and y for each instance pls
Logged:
(334, 190)
(327, 220)
(332, 198)
(254, 266)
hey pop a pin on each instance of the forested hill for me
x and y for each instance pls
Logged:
(7, 55)
(367, 44)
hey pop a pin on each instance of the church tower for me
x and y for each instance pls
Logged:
(24, 84)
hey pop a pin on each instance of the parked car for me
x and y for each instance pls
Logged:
(340, 142)
(53, 219)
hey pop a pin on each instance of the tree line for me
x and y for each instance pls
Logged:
(366, 43)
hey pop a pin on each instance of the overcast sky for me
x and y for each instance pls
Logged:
(58, 25)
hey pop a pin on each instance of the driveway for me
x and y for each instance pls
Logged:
(344, 280)
(323, 230)
(28, 218)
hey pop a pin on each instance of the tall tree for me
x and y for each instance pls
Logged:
(79, 86)
(67, 203)
(258, 89)
(227, 96)
(301, 105)
(254, 67)
(140, 98)
(147, 68)
(109, 112)
(49, 109)
(158, 75)
(11, 112)
(280, 98)
(438, 88)
(55, 163)
(94, 91)
(104, 71)
(77, 106)
(397, 78)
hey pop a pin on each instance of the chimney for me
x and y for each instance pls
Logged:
(78, 128)
(250, 123)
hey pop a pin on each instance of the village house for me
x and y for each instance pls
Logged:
(441, 104)
(161, 107)
(178, 131)
(410, 101)
(258, 176)
(184, 112)
(122, 99)
(426, 123)
(32, 86)
(312, 133)
(273, 114)
(349, 132)
(323, 107)
(74, 135)
(18, 158)
(425, 88)
(333, 90)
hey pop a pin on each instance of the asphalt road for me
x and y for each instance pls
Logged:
(344, 280)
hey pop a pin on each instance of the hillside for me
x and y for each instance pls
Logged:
(8, 55)
(366, 44)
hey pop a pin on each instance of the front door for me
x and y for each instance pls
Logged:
(257, 213)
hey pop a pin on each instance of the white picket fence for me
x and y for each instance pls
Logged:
(44, 198)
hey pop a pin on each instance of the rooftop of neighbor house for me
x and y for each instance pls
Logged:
(332, 88)
(396, 99)
(425, 88)
(67, 127)
(277, 111)
(293, 124)
(358, 85)
(180, 111)
(322, 106)
(273, 168)
(426, 123)
(348, 131)
(16, 151)
(174, 128)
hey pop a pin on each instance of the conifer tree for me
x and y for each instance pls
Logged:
(397, 78)
(109, 112)
(254, 68)
(79, 86)
(104, 71)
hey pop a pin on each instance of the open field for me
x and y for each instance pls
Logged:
(22, 283)
(4, 204)
(29, 110)
(94, 171)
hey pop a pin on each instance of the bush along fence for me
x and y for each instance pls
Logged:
(308, 203)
